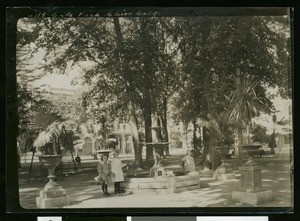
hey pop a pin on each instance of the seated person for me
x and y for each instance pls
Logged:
(188, 162)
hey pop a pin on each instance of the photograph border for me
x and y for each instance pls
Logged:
(12, 16)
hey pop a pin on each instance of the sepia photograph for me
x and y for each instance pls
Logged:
(128, 108)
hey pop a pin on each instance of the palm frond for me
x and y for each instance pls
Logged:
(51, 133)
(42, 139)
(247, 101)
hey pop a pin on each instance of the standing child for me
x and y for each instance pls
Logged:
(104, 170)
(117, 172)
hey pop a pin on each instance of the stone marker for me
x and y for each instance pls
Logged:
(224, 172)
(251, 185)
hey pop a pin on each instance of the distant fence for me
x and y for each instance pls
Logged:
(38, 172)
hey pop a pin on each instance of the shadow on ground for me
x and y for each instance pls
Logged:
(84, 193)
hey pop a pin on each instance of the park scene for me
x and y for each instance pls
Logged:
(154, 112)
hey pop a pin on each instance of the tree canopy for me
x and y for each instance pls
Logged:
(187, 63)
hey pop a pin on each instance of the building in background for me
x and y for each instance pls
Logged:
(281, 124)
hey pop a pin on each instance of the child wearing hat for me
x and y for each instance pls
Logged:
(104, 170)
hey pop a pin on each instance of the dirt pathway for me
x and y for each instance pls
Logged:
(85, 193)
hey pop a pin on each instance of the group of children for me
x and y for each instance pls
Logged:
(110, 172)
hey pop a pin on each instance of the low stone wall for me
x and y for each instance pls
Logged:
(168, 184)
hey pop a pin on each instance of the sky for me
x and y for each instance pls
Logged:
(58, 81)
(282, 112)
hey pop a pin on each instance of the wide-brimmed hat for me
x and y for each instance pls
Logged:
(116, 152)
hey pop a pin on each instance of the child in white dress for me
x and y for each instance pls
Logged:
(117, 172)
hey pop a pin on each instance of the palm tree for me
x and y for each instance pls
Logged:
(48, 139)
(49, 126)
(246, 100)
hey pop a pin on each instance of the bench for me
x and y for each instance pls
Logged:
(253, 150)
(225, 152)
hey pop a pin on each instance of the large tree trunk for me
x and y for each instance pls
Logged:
(213, 142)
(30, 168)
(135, 136)
(148, 124)
(248, 127)
(194, 134)
(240, 131)
(103, 134)
(240, 142)
(206, 157)
(147, 84)
(165, 125)
(132, 115)
(157, 127)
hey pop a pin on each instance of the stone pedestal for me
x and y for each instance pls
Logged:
(157, 171)
(251, 185)
(253, 198)
(224, 172)
(251, 176)
(52, 197)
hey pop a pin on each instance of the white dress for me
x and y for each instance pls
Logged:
(116, 169)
